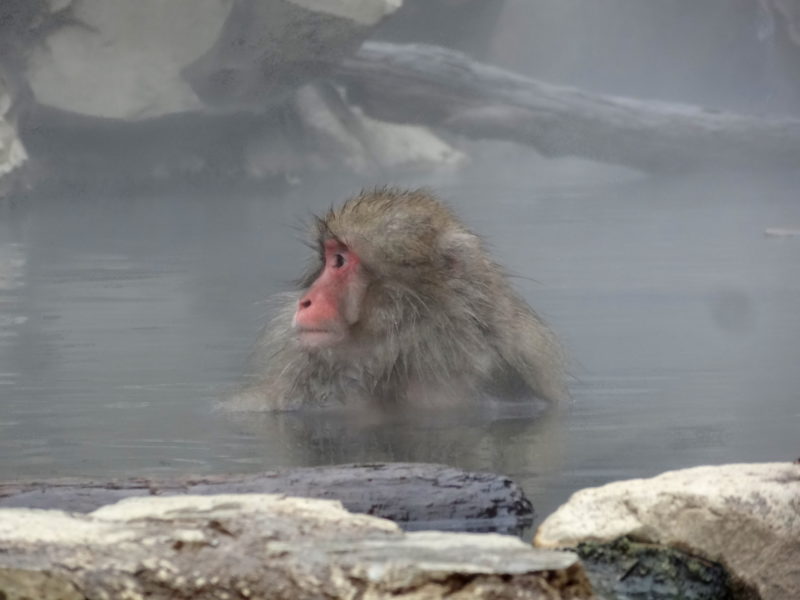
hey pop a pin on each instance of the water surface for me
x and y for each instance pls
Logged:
(124, 319)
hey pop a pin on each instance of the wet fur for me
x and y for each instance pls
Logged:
(440, 322)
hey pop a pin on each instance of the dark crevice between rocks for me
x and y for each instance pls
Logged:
(629, 570)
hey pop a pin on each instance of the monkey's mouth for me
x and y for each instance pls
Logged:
(318, 338)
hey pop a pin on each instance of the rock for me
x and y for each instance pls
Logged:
(744, 516)
(263, 546)
(338, 137)
(413, 494)
(629, 570)
(195, 90)
(138, 60)
(12, 152)
(267, 50)
(122, 60)
(22, 584)
(395, 145)
(441, 88)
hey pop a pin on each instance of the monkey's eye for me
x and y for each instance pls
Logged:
(338, 261)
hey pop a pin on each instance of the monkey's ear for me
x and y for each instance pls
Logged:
(459, 247)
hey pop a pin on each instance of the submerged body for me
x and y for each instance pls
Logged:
(403, 306)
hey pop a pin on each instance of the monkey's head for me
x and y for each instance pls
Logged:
(381, 250)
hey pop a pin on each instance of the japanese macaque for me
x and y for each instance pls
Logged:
(403, 305)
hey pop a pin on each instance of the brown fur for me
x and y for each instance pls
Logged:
(439, 320)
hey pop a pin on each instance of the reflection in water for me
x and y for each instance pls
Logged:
(124, 321)
(474, 437)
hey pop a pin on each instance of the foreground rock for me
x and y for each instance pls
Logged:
(263, 546)
(412, 494)
(629, 570)
(746, 517)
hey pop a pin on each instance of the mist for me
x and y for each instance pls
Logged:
(141, 241)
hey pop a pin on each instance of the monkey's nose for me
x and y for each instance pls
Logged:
(305, 303)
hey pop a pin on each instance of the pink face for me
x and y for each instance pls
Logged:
(332, 304)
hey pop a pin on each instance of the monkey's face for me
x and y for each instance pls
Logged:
(333, 302)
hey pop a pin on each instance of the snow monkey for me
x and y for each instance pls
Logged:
(403, 306)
